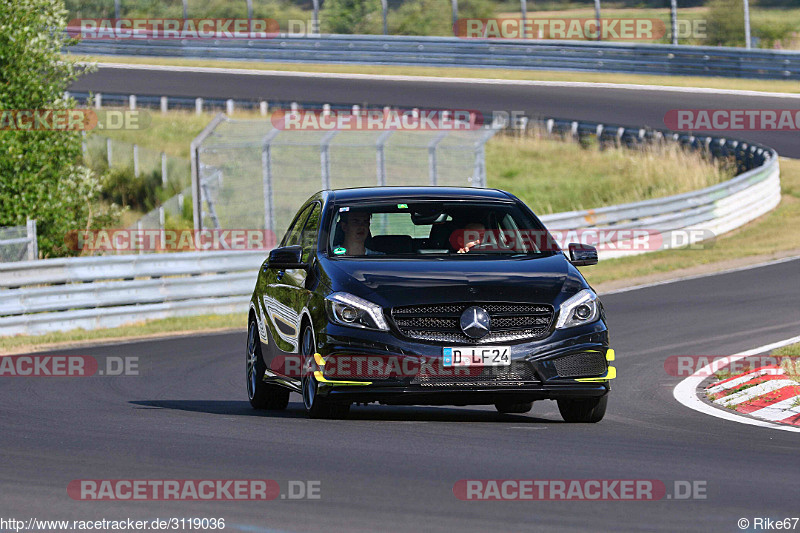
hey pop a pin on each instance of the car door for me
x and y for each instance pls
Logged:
(280, 300)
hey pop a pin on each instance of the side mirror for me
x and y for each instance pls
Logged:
(287, 257)
(582, 254)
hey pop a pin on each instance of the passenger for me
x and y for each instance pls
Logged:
(472, 227)
(355, 226)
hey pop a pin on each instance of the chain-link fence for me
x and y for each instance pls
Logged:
(18, 243)
(253, 175)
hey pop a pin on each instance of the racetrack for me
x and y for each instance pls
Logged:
(393, 468)
(599, 103)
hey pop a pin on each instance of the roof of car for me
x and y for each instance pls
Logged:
(419, 193)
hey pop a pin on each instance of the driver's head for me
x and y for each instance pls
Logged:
(355, 225)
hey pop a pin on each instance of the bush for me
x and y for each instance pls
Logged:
(120, 186)
(351, 16)
(726, 23)
(40, 174)
(434, 17)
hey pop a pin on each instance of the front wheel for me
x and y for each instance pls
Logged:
(261, 395)
(316, 406)
(587, 410)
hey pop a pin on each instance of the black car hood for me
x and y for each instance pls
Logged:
(390, 283)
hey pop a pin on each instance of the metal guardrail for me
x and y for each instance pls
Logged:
(478, 53)
(99, 292)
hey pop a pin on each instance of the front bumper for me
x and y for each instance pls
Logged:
(541, 356)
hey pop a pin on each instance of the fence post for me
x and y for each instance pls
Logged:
(98, 100)
(266, 179)
(194, 153)
(673, 15)
(84, 149)
(249, 9)
(325, 159)
(229, 106)
(454, 7)
(164, 104)
(263, 107)
(132, 102)
(198, 106)
(108, 151)
(164, 170)
(316, 15)
(523, 4)
(747, 41)
(597, 17)
(185, 9)
(384, 9)
(380, 152)
(136, 160)
(433, 172)
(33, 243)
(139, 231)
(162, 222)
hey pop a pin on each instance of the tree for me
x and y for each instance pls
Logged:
(40, 172)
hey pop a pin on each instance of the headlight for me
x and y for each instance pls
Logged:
(578, 310)
(348, 310)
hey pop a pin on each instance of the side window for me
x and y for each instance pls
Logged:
(292, 236)
(310, 231)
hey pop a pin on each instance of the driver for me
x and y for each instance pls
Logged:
(355, 226)
(473, 228)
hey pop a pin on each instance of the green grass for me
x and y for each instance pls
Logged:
(553, 176)
(504, 74)
(764, 237)
(202, 323)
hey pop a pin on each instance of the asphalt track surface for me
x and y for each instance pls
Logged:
(601, 104)
(186, 416)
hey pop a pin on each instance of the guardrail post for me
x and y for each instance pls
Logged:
(132, 102)
(164, 104)
(198, 106)
(98, 100)
(380, 154)
(136, 160)
(84, 148)
(574, 130)
(229, 106)
(164, 170)
(108, 151)
(263, 107)
(33, 243)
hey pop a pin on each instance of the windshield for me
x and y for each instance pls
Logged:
(441, 229)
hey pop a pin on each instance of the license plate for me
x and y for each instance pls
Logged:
(473, 356)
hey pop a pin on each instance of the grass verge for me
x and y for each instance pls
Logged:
(152, 328)
(764, 238)
(472, 73)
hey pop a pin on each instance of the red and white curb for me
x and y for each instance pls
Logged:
(769, 401)
(764, 393)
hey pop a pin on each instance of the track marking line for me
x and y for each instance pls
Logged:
(432, 79)
(685, 392)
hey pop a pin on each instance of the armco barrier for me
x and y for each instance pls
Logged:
(96, 292)
(100, 292)
(478, 53)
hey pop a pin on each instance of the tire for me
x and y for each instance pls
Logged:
(261, 395)
(509, 407)
(316, 407)
(589, 410)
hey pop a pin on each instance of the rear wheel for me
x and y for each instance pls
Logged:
(510, 407)
(261, 395)
(316, 406)
(584, 410)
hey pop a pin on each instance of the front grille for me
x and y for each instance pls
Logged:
(516, 374)
(441, 323)
(581, 364)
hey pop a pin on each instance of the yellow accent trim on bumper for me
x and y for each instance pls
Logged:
(318, 358)
(611, 374)
(610, 355)
(319, 377)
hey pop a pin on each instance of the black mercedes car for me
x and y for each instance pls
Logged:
(426, 296)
